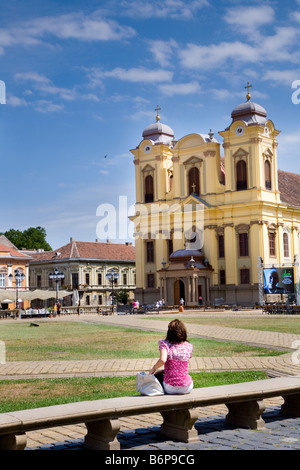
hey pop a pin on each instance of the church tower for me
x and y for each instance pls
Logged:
(243, 217)
(250, 151)
(153, 176)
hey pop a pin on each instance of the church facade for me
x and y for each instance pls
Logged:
(206, 224)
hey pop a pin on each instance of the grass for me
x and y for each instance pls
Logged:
(59, 340)
(36, 393)
(277, 323)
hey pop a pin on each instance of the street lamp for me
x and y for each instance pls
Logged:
(19, 277)
(112, 276)
(56, 276)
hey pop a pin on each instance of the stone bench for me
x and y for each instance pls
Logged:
(101, 417)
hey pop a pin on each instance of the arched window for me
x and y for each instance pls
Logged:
(241, 175)
(194, 181)
(286, 249)
(267, 174)
(149, 194)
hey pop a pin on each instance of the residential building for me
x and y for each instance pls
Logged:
(85, 266)
(12, 261)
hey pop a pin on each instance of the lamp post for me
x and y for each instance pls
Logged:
(56, 276)
(19, 277)
(112, 276)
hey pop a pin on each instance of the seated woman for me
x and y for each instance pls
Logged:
(175, 352)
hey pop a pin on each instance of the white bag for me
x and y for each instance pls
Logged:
(148, 385)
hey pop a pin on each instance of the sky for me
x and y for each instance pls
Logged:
(83, 78)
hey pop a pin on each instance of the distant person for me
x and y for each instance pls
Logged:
(175, 353)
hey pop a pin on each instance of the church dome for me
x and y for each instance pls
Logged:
(159, 133)
(249, 112)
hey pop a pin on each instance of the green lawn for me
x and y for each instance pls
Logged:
(36, 393)
(59, 340)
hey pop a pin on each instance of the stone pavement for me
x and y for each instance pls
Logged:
(141, 432)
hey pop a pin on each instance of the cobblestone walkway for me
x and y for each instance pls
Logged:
(142, 432)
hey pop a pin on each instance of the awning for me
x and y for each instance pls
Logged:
(30, 295)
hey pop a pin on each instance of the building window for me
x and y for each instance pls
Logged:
(39, 281)
(221, 246)
(194, 181)
(170, 247)
(99, 279)
(150, 280)
(87, 278)
(268, 175)
(99, 299)
(2, 280)
(286, 250)
(241, 175)
(75, 282)
(150, 252)
(124, 279)
(245, 276)
(222, 277)
(149, 192)
(272, 249)
(87, 300)
(243, 244)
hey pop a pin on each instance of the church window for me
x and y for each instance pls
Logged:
(150, 252)
(194, 181)
(243, 244)
(267, 174)
(149, 192)
(221, 246)
(170, 246)
(245, 276)
(222, 277)
(286, 250)
(272, 249)
(241, 175)
(150, 280)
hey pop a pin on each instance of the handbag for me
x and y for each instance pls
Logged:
(148, 385)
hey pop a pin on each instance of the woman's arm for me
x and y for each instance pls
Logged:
(161, 361)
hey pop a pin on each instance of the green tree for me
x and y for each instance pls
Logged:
(122, 296)
(31, 238)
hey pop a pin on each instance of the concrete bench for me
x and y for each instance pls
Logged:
(101, 417)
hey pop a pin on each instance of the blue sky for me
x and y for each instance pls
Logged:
(83, 79)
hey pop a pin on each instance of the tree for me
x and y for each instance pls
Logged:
(122, 296)
(31, 238)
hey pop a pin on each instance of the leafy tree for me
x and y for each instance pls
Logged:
(122, 296)
(31, 238)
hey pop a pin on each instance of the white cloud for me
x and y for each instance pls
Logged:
(270, 49)
(285, 77)
(163, 51)
(133, 75)
(179, 9)
(46, 106)
(180, 88)
(16, 101)
(71, 26)
(249, 19)
(44, 85)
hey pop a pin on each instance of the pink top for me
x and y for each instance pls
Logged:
(177, 364)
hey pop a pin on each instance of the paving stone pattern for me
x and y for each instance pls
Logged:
(142, 432)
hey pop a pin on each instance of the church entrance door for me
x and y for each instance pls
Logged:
(179, 291)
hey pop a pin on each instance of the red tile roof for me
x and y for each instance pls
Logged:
(11, 252)
(89, 250)
(289, 187)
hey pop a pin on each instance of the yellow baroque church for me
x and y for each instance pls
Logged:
(206, 225)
